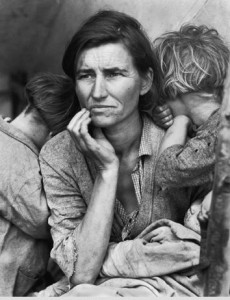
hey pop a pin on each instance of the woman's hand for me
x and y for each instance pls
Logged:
(160, 235)
(162, 116)
(96, 147)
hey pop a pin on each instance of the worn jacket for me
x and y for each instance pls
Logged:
(24, 231)
(192, 164)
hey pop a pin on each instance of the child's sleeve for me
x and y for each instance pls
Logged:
(191, 164)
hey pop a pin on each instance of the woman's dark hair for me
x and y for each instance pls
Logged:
(110, 26)
(53, 97)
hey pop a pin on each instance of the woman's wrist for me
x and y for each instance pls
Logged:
(110, 170)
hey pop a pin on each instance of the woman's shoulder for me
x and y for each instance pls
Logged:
(58, 142)
(61, 146)
(151, 128)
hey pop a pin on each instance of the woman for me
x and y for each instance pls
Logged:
(99, 176)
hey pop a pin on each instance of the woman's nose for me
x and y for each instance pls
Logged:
(99, 90)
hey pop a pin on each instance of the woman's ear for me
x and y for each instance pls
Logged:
(147, 82)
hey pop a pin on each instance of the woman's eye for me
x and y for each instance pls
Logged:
(111, 75)
(84, 76)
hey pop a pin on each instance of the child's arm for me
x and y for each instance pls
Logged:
(177, 133)
(191, 164)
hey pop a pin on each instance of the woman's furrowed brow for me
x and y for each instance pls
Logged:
(84, 70)
(109, 69)
(115, 69)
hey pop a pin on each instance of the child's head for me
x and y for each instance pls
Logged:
(193, 59)
(53, 99)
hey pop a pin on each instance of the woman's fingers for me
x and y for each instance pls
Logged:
(163, 116)
(78, 128)
(96, 146)
(161, 108)
(151, 234)
(167, 118)
(76, 119)
(166, 121)
(159, 234)
(90, 143)
(83, 126)
(156, 238)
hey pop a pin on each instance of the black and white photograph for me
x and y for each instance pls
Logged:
(114, 148)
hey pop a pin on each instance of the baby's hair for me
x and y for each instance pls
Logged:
(193, 59)
(53, 98)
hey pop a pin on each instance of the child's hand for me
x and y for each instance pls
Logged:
(162, 116)
(205, 208)
(191, 216)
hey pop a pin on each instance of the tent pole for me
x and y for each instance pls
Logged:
(217, 275)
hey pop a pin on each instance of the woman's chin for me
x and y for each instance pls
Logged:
(101, 122)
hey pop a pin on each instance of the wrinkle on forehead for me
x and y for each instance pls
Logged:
(105, 56)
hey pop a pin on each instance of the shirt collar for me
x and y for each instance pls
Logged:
(18, 135)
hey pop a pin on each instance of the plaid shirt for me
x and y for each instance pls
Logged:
(137, 175)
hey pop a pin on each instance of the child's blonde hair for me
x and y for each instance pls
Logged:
(193, 59)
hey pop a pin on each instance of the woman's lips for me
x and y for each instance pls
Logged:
(100, 108)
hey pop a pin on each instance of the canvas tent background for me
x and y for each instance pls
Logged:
(33, 34)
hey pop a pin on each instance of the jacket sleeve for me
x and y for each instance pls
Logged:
(66, 204)
(28, 209)
(192, 164)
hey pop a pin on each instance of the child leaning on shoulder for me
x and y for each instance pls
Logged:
(193, 63)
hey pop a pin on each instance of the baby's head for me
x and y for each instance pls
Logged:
(192, 60)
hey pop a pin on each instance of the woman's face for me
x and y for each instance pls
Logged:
(108, 84)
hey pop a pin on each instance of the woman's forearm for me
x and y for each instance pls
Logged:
(93, 235)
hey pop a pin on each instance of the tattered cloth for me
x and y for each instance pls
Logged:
(143, 268)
